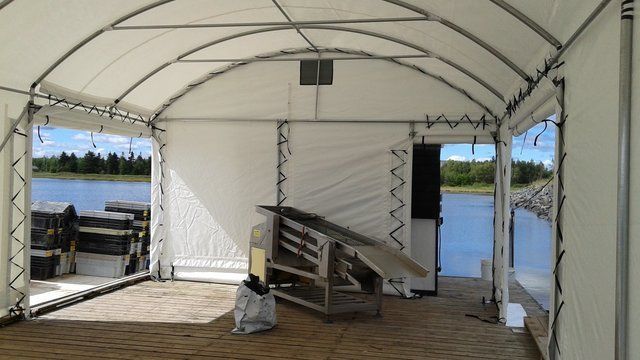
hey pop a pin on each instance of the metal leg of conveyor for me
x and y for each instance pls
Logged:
(378, 291)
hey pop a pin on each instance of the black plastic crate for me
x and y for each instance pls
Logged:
(142, 215)
(97, 248)
(43, 268)
(115, 224)
(132, 267)
(46, 221)
(42, 273)
(45, 238)
(53, 215)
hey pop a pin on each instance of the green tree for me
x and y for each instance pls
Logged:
(112, 166)
(72, 164)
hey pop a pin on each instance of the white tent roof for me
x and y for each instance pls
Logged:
(137, 53)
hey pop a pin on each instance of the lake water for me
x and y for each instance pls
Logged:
(89, 194)
(466, 234)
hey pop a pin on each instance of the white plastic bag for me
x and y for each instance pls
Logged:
(255, 308)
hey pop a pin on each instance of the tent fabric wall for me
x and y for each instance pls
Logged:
(585, 324)
(15, 215)
(272, 91)
(337, 170)
(214, 175)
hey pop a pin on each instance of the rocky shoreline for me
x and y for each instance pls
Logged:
(539, 203)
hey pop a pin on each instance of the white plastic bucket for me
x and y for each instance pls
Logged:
(485, 269)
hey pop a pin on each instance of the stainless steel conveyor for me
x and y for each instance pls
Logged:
(304, 257)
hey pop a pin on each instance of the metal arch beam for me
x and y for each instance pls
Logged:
(447, 61)
(5, 3)
(316, 27)
(290, 21)
(94, 35)
(528, 22)
(258, 58)
(433, 17)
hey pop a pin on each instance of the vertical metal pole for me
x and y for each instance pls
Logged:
(511, 239)
(317, 87)
(9, 148)
(556, 297)
(624, 146)
(26, 237)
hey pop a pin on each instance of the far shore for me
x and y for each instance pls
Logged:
(484, 189)
(98, 177)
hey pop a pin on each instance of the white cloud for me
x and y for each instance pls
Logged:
(548, 163)
(81, 136)
(483, 159)
(457, 158)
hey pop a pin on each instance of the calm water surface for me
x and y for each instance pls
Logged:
(466, 233)
(89, 194)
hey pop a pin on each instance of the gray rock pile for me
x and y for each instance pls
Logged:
(540, 203)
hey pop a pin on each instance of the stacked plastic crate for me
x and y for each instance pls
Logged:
(54, 228)
(141, 212)
(105, 242)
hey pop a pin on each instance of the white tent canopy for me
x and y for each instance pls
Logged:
(216, 84)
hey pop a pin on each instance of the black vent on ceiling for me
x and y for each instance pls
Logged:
(309, 72)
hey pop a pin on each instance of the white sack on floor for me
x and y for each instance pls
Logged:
(255, 307)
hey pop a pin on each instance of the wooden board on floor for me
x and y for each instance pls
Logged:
(188, 320)
(538, 326)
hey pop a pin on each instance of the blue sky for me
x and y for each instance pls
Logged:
(57, 140)
(543, 152)
(79, 142)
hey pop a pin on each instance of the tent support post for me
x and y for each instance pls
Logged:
(28, 173)
(624, 150)
(558, 196)
(502, 220)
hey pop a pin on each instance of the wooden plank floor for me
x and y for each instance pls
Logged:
(186, 320)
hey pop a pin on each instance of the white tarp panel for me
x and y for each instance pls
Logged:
(114, 60)
(272, 91)
(211, 189)
(58, 116)
(585, 325)
(15, 161)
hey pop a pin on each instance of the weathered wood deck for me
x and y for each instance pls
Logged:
(185, 320)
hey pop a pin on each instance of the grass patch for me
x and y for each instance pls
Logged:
(486, 188)
(101, 177)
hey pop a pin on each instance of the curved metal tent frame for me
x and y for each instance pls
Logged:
(458, 67)
(285, 52)
(428, 15)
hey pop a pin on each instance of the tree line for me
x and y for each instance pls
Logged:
(461, 173)
(92, 163)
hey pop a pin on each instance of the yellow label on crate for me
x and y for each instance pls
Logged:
(257, 233)
(72, 248)
(48, 253)
(51, 231)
